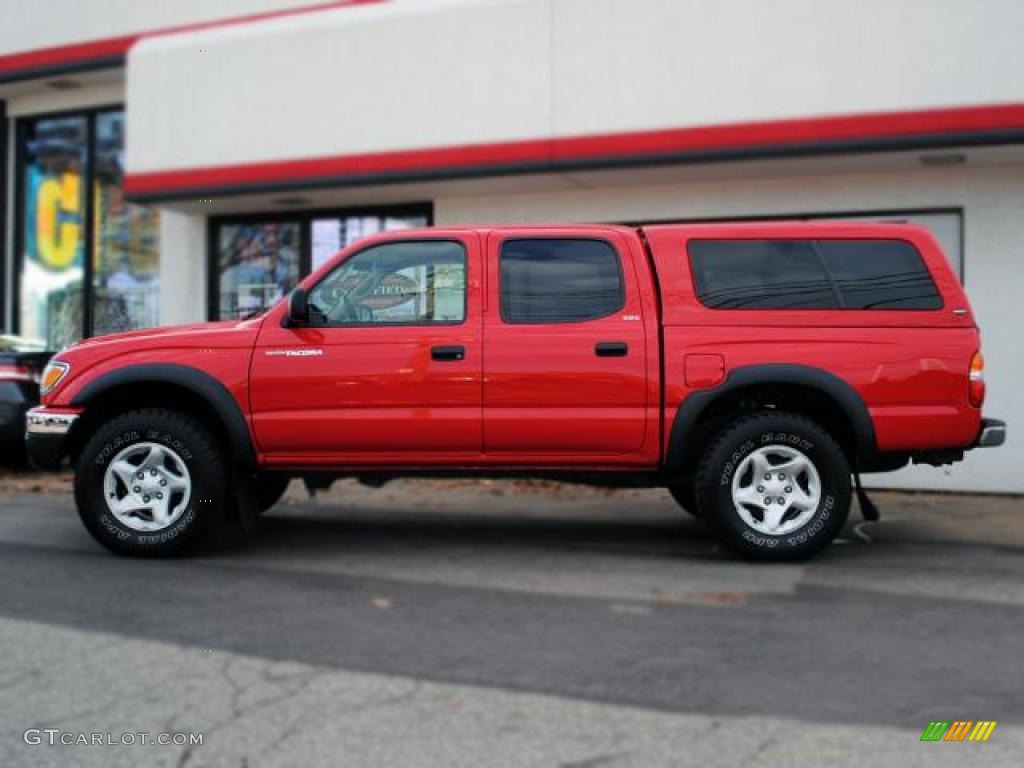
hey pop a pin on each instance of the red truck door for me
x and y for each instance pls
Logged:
(389, 370)
(566, 350)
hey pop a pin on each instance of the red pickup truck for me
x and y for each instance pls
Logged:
(751, 369)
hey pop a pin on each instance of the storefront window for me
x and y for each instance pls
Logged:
(54, 171)
(259, 263)
(67, 284)
(126, 261)
(260, 260)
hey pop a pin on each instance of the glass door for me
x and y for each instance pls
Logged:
(89, 261)
(53, 182)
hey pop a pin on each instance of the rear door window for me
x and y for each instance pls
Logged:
(551, 280)
(811, 274)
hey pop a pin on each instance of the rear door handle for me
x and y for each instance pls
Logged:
(611, 349)
(448, 354)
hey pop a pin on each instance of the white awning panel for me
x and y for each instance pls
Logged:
(423, 74)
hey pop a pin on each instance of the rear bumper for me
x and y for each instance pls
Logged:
(992, 433)
(46, 436)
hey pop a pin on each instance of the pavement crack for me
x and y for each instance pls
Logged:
(238, 710)
(593, 762)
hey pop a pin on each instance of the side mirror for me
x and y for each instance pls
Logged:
(298, 309)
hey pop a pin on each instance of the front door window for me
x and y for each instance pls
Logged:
(408, 283)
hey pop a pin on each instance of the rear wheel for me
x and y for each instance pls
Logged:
(151, 483)
(774, 486)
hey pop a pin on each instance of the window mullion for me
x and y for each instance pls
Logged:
(89, 227)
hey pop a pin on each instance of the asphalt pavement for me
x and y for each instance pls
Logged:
(511, 624)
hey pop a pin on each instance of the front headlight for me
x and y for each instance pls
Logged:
(53, 374)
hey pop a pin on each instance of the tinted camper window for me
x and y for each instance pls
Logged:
(811, 274)
(880, 274)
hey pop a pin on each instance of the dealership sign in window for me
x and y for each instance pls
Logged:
(72, 169)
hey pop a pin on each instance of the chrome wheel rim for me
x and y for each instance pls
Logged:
(147, 487)
(776, 490)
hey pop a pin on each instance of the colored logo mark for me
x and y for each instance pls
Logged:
(959, 730)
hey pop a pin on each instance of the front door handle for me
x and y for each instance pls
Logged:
(448, 354)
(611, 349)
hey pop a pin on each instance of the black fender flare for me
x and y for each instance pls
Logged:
(691, 409)
(197, 382)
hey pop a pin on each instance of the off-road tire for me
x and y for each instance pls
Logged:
(725, 456)
(209, 499)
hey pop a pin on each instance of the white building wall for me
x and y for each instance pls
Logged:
(992, 201)
(182, 268)
(440, 73)
(31, 24)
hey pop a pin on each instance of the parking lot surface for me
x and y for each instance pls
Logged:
(437, 623)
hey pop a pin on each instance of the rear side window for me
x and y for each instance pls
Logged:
(559, 280)
(811, 274)
(880, 274)
(760, 274)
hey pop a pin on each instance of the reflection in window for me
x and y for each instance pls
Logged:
(127, 259)
(259, 263)
(55, 157)
(332, 233)
(395, 284)
(760, 274)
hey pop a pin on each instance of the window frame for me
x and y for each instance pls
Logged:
(21, 123)
(836, 217)
(837, 292)
(370, 247)
(5, 151)
(304, 217)
(619, 265)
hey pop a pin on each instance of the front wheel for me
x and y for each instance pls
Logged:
(774, 486)
(151, 483)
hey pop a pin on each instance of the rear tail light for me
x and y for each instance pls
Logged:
(18, 373)
(976, 380)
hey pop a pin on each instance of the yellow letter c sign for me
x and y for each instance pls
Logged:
(57, 241)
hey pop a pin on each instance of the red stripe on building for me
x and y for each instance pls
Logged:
(536, 154)
(84, 54)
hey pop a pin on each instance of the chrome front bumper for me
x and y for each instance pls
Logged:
(39, 421)
(46, 437)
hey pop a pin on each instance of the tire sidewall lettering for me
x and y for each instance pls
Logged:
(105, 518)
(824, 514)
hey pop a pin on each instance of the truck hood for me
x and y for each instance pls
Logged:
(220, 334)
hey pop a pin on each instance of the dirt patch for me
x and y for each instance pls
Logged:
(19, 481)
